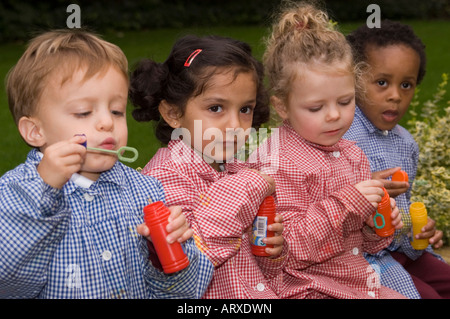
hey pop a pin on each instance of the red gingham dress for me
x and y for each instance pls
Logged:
(324, 219)
(219, 206)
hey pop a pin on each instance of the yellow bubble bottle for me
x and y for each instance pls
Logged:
(419, 218)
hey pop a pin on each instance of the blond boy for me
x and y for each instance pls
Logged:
(71, 220)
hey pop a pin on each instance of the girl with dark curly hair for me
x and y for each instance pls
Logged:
(206, 97)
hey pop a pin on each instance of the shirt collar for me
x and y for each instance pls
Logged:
(372, 128)
(114, 175)
(184, 154)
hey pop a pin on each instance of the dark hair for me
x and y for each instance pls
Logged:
(152, 82)
(389, 33)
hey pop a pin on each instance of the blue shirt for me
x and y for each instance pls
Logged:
(388, 149)
(81, 242)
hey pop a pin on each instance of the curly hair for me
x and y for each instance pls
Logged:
(390, 33)
(301, 36)
(152, 82)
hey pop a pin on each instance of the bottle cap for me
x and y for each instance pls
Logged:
(417, 209)
(400, 176)
(155, 213)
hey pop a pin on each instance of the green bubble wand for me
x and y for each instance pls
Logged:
(119, 153)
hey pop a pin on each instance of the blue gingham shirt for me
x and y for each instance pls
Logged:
(387, 149)
(81, 242)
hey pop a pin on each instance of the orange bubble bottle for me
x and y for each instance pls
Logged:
(382, 217)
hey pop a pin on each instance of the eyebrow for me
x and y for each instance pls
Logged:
(349, 95)
(386, 75)
(93, 98)
(222, 100)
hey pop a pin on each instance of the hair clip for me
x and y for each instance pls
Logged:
(191, 57)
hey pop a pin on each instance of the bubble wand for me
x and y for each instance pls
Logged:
(119, 153)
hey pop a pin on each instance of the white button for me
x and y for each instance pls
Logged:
(371, 294)
(336, 154)
(385, 132)
(355, 251)
(260, 287)
(88, 197)
(106, 255)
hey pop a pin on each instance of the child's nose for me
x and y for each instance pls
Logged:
(234, 122)
(394, 94)
(333, 113)
(105, 122)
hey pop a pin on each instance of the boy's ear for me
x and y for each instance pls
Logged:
(279, 106)
(170, 114)
(30, 131)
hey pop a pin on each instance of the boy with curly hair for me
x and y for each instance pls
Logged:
(396, 62)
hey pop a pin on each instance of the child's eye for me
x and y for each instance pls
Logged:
(346, 102)
(247, 109)
(215, 108)
(82, 114)
(315, 109)
(406, 85)
(382, 82)
(118, 113)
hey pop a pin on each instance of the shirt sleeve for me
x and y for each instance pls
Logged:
(316, 231)
(221, 214)
(34, 217)
(189, 283)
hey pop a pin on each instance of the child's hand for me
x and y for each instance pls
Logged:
(396, 217)
(393, 188)
(61, 160)
(372, 190)
(178, 228)
(433, 235)
(278, 240)
(271, 181)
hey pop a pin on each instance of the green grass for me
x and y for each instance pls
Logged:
(157, 44)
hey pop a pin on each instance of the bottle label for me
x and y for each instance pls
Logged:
(259, 230)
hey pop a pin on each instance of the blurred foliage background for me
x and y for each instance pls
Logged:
(19, 18)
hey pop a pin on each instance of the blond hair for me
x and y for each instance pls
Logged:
(58, 52)
(303, 36)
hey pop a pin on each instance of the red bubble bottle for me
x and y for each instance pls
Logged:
(265, 217)
(382, 217)
(171, 256)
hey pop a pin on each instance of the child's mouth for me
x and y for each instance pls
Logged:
(389, 116)
(108, 144)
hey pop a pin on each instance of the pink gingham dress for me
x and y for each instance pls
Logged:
(219, 206)
(324, 219)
